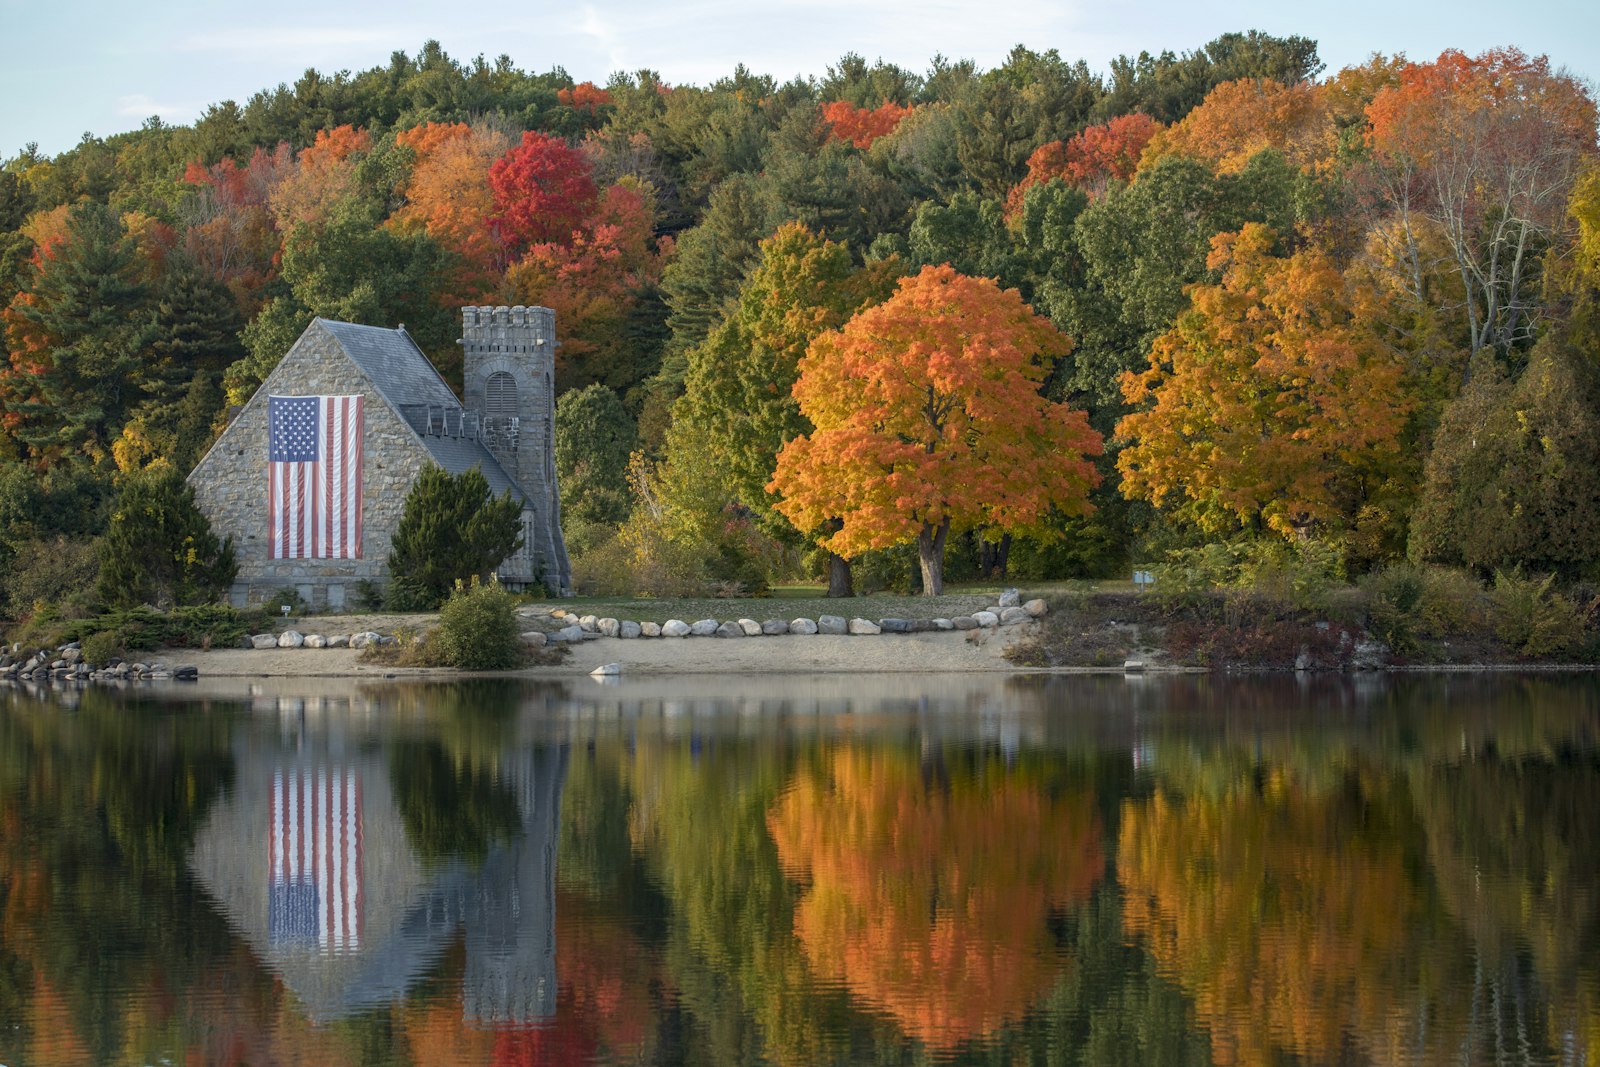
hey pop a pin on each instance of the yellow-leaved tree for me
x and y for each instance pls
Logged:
(1269, 402)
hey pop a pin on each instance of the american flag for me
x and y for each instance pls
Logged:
(314, 477)
(314, 892)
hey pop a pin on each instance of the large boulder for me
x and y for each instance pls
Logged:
(534, 638)
(863, 626)
(628, 629)
(649, 629)
(1013, 615)
(264, 641)
(730, 629)
(609, 627)
(750, 627)
(704, 627)
(832, 624)
(802, 626)
(986, 618)
(964, 622)
(676, 628)
(291, 639)
(590, 624)
(1036, 608)
(895, 626)
(339, 641)
(316, 641)
(773, 627)
(1010, 599)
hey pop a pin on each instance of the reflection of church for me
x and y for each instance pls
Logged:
(308, 858)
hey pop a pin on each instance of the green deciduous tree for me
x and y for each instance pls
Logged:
(1514, 475)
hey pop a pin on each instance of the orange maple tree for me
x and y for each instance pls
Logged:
(860, 125)
(928, 416)
(592, 281)
(448, 198)
(933, 903)
(324, 175)
(585, 96)
(231, 232)
(1237, 119)
(1090, 161)
(1268, 401)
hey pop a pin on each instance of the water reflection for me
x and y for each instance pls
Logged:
(797, 871)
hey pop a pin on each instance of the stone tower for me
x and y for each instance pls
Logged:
(508, 358)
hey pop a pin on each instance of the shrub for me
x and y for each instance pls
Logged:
(1532, 617)
(1394, 604)
(101, 648)
(453, 529)
(478, 628)
(287, 597)
(56, 572)
(200, 626)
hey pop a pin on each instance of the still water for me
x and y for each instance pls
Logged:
(804, 870)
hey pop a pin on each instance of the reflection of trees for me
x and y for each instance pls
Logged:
(932, 900)
(1292, 919)
(745, 990)
(97, 808)
(1515, 848)
(451, 808)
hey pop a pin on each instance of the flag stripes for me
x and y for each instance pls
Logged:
(314, 847)
(314, 467)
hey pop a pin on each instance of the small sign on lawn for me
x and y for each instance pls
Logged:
(1143, 580)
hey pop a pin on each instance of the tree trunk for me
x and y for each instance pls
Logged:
(993, 556)
(840, 583)
(930, 553)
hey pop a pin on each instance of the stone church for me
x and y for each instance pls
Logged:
(409, 418)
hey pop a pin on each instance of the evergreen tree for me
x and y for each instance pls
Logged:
(453, 528)
(159, 548)
(78, 342)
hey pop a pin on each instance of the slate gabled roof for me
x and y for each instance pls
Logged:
(405, 377)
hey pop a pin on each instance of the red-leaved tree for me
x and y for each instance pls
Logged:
(543, 190)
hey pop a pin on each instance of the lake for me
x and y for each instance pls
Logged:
(1270, 869)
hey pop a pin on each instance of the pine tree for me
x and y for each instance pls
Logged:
(159, 548)
(77, 340)
(453, 528)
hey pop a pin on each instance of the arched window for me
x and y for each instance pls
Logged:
(500, 399)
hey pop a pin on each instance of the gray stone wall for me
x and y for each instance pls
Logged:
(230, 482)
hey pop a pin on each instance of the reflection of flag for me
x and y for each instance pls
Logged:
(314, 477)
(314, 867)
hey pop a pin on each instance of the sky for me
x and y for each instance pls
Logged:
(104, 66)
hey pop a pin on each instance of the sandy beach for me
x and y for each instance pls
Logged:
(977, 650)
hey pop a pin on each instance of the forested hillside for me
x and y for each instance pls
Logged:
(1255, 301)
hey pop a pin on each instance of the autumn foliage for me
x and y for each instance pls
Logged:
(448, 196)
(1100, 154)
(933, 904)
(1268, 402)
(1240, 118)
(1290, 936)
(542, 190)
(928, 417)
(861, 126)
